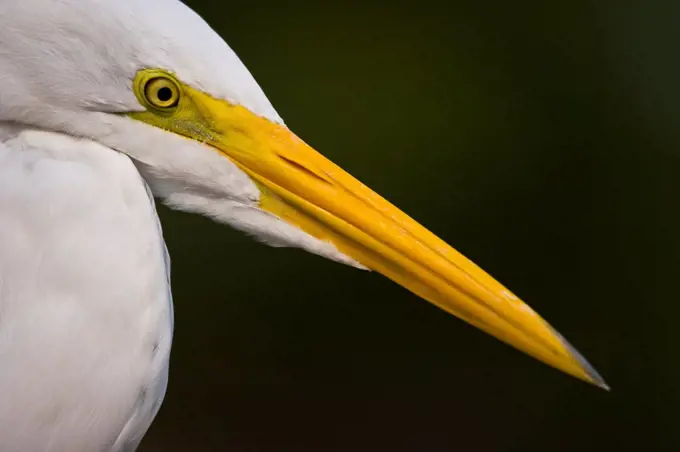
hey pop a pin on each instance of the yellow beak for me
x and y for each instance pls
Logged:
(304, 188)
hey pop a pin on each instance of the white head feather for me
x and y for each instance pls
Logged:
(67, 65)
(82, 54)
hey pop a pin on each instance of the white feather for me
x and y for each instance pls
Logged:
(82, 54)
(85, 315)
(85, 304)
(62, 73)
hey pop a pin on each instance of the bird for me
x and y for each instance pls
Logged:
(107, 106)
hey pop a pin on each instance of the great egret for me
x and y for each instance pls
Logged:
(106, 102)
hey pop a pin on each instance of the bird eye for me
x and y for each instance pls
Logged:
(161, 92)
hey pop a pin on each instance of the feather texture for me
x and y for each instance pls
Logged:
(85, 303)
(85, 311)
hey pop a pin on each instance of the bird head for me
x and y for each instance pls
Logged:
(152, 80)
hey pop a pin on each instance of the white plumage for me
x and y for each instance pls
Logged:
(85, 305)
(85, 309)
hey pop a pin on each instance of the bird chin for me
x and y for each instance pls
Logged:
(258, 224)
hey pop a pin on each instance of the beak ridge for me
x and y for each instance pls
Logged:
(303, 188)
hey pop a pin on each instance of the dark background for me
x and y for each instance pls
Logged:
(538, 138)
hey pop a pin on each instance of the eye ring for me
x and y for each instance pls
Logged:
(161, 92)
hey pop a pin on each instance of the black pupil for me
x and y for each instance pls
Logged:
(164, 94)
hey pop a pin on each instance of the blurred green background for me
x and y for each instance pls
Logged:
(538, 138)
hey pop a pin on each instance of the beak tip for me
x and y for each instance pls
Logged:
(593, 375)
(598, 381)
(605, 386)
(590, 374)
